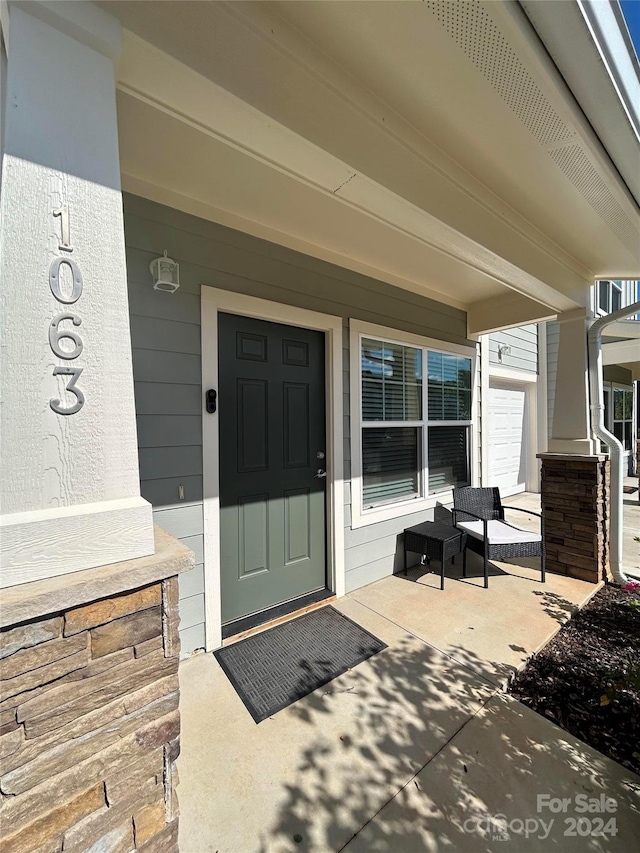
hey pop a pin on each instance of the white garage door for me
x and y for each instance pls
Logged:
(507, 437)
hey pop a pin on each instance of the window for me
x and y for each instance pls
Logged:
(623, 416)
(414, 439)
(609, 296)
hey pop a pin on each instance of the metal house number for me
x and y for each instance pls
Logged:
(58, 333)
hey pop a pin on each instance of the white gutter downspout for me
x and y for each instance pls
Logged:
(596, 393)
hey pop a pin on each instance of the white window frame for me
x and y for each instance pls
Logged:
(616, 386)
(361, 517)
(611, 285)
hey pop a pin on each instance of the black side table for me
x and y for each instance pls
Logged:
(435, 539)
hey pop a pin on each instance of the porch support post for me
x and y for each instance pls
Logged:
(69, 492)
(571, 431)
(575, 481)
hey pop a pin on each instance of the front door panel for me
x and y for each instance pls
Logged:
(271, 406)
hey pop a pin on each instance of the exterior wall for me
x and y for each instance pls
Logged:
(523, 342)
(167, 370)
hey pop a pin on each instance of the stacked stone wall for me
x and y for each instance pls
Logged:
(575, 495)
(89, 727)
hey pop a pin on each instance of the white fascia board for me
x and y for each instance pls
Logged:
(610, 34)
(570, 38)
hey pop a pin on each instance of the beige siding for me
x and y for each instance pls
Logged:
(523, 344)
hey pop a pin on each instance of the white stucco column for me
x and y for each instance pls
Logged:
(570, 431)
(69, 491)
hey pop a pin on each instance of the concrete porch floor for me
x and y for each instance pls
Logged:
(407, 751)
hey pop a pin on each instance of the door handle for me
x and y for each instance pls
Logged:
(320, 474)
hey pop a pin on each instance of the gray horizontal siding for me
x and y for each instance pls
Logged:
(192, 582)
(166, 491)
(192, 612)
(156, 398)
(523, 343)
(154, 431)
(168, 335)
(182, 522)
(165, 330)
(191, 639)
(185, 523)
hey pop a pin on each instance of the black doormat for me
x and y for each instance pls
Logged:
(629, 490)
(273, 669)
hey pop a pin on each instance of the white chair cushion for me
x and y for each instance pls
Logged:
(499, 532)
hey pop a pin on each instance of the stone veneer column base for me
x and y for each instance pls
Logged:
(89, 719)
(575, 493)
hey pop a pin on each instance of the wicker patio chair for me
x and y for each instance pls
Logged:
(481, 514)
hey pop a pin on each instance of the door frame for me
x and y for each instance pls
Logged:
(528, 382)
(213, 301)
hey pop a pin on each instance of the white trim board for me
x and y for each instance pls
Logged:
(48, 543)
(528, 381)
(359, 518)
(213, 301)
(512, 374)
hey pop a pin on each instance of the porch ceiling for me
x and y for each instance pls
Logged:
(277, 120)
(624, 349)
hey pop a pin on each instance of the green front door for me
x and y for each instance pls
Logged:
(271, 407)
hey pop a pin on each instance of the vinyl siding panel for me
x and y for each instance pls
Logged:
(192, 612)
(523, 342)
(192, 582)
(165, 331)
(169, 430)
(153, 398)
(164, 491)
(181, 521)
(191, 638)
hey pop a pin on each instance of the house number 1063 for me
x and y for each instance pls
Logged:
(56, 332)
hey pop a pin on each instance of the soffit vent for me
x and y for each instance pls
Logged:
(473, 30)
(475, 33)
(577, 166)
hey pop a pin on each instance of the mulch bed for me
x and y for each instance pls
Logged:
(587, 679)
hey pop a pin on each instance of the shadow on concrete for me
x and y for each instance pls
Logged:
(329, 804)
(340, 786)
(556, 606)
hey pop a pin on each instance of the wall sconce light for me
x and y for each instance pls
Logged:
(503, 349)
(166, 274)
